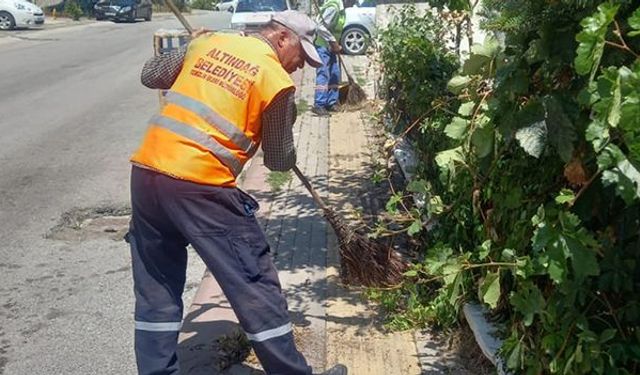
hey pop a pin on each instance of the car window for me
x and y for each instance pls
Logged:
(368, 4)
(261, 6)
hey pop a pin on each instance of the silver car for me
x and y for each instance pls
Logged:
(359, 28)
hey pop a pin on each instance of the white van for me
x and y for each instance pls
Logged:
(251, 14)
(19, 13)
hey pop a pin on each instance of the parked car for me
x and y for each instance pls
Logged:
(123, 10)
(359, 28)
(250, 14)
(226, 5)
(19, 13)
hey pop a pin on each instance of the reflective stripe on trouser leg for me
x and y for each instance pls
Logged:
(220, 225)
(321, 96)
(159, 259)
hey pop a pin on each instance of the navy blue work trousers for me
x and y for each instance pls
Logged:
(327, 79)
(167, 215)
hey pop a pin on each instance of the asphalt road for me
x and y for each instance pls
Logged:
(72, 110)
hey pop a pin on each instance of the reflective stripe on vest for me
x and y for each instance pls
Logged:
(215, 120)
(201, 138)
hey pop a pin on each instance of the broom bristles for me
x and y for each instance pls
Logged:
(364, 261)
(355, 94)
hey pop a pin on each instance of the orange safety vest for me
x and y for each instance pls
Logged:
(212, 122)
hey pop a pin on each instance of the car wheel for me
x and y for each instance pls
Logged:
(6, 21)
(230, 10)
(354, 41)
(148, 17)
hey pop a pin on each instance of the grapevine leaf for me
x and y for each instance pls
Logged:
(528, 301)
(513, 361)
(482, 140)
(475, 64)
(448, 159)
(451, 272)
(490, 289)
(490, 48)
(484, 249)
(583, 260)
(435, 205)
(630, 110)
(482, 58)
(466, 109)
(457, 128)
(557, 262)
(630, 124)
(417, 186)
(415, 227)
(598, 134)
(436, 258)
(565, 196)
(533, 138)
(616, 100)
(458, 83)
(620, 173)
(592, 39)
(392, 203)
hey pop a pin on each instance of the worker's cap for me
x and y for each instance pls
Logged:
(305, 29)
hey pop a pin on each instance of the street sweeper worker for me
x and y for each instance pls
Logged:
(228, 95)
(331, 19)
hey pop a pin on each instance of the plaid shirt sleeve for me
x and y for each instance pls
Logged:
(160, 72)
(277, 132)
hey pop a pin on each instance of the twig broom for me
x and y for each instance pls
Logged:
(363, 261)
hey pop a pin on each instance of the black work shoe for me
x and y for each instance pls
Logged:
(320, 111)
(336, 370)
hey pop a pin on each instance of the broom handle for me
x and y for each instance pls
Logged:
(179, 15)
(344, 68)
(313, 191)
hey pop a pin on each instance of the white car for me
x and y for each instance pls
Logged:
(251, 14)
(359, 27)
(19, 13)
(227, 5)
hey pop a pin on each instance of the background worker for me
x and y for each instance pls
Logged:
(331, 19)
(228, 94)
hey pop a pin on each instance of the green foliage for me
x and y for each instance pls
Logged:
(534, 174)
(416, 65)
(302, 106)
(73, 10)
(204, 4)
(278, 180)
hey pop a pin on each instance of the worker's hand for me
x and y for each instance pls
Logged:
(335, 47)
(201, 31)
